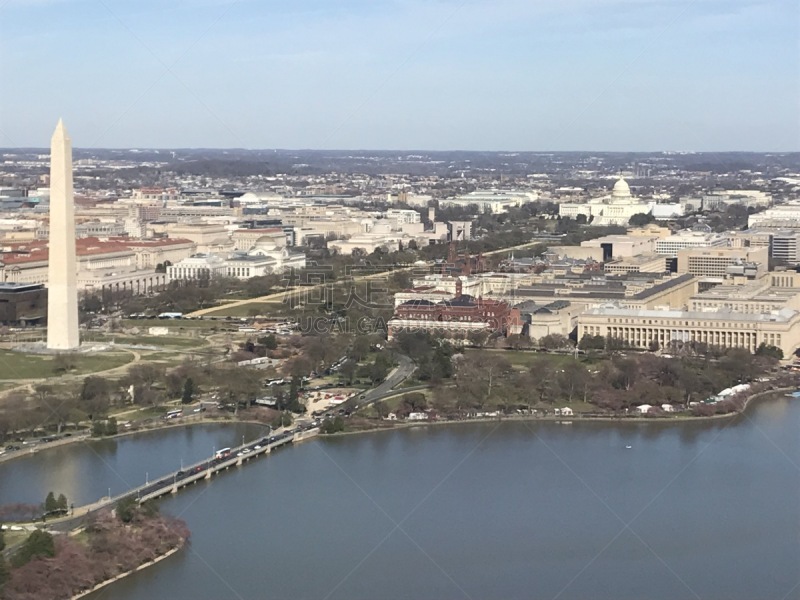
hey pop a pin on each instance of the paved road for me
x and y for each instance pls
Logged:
(398, 375)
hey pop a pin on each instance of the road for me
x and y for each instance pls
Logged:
(405, 367)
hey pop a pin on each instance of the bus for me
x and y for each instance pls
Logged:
(174, 414)
(170, 315)
(222, 453)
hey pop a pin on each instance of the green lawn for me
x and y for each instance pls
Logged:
(173, 324)
(524, 359)
(157, 340)
(272, 309)
(16, 365)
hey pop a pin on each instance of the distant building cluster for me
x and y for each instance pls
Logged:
(671, 265)
(652, 287)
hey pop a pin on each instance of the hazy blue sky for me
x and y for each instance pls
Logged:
(403, 74)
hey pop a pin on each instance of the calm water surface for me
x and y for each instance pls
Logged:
(540, 510)
(85, 471)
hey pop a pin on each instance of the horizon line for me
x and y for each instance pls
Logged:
(405, 150)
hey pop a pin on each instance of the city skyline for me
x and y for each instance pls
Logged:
(613, 75)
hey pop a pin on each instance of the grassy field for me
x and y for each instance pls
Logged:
(16, 365)
(157, 340)
(272, 309)
(15, 537)
(174, 324)
(524, 359)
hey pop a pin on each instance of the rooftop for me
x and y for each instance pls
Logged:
(783, 315)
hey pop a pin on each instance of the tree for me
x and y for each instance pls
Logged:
(348, 370)
(613, 344)
(518, 342)
(574, 379)
(62, 502)
(641, 219)
(39, 544)
(360, 348)
(143, 377)
(240, 386)
(592, 342)
(554, 341)
(91, 304)
(294, 404)
(95, 395)
(2, 538)
(653, 346)
(332, 425)
(284, 419)
(478, 338)
(5, 572)
(270, 342)
(126, 509)
(188, 391)
(56, 409)
(769, 351)
(98, 428)
(50, 503)
(380, 367)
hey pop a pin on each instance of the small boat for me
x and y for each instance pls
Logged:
(628, 447)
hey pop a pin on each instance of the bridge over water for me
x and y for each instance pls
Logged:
(205, 469)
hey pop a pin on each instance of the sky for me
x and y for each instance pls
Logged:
(516, 75)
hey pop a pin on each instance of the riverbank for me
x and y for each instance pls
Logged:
(677, 419)
(141, 567)
(201, 419)
(188, 422)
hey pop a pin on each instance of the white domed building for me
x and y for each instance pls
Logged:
(614, 209)
(268, 254)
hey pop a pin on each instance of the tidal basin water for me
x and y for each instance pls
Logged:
(482, 511)
(84, 471)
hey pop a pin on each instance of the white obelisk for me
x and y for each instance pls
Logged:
(62, 278)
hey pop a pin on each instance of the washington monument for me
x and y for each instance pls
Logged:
(62, 288)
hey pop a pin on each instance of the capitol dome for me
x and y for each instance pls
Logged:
(621, 189)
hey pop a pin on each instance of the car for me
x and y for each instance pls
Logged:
(240, 454)
(246, 451)
(258, 447)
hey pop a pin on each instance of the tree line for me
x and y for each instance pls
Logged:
(608, 382)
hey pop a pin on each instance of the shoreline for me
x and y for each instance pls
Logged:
(194, 421)
(570, 420)
(89, 438)
(141, 567)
